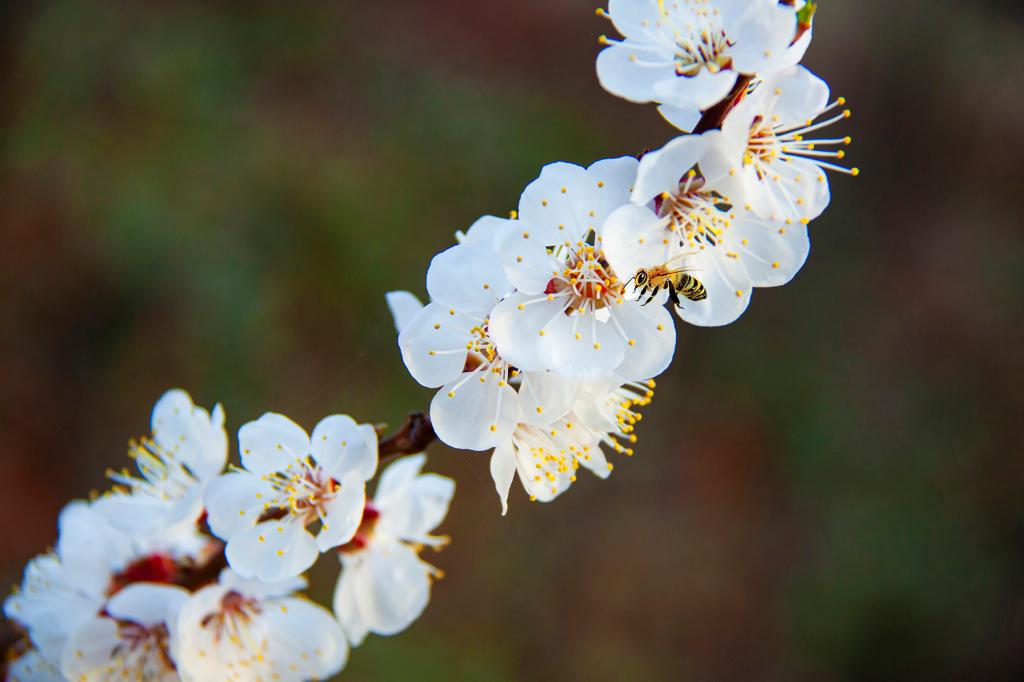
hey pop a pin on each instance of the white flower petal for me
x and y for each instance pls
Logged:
(583, 347)
(795, 95)
(661, 171)
(528, 264)
(343, 514)
(485, 230)
(468, 277)
(433, 344)
(634, 18)
(545, 397)
(503, 471)
(397, 478)
(394, 588)
(148, 604)
(195, 437)
(634, 71)
(90, 649)
(685, 119)
(403, 306)
(728, 289)
(343, 447)
(651, 340)
(554, 208)
(235, 501)
(771, 252)
(272, 550)
(271, 442)
(634, 237)
(516, 328)
(410, 508)
(699, 92)
(761, 30)
(305, 639)
(476, 412)
(32, 666)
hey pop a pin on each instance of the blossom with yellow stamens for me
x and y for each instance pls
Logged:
(687, 54)
(241, 630)
(384, 584)
(291, 485)
(684, 213)
(569, 313)
(776, 160)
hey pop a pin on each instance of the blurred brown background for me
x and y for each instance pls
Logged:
(215, 195)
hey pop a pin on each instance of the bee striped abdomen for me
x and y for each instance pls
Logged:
(691, 288)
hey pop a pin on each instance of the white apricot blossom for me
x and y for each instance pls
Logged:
(291, 484)
(187, 450)
(546, 458)
(774, 164)
(682, 219)
(687, 54)
(63, 588)
(568, 313)
(244, 630)
(384, 584)
(447, 344)
(130, 639)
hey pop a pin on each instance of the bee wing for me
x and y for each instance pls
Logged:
(670, 265)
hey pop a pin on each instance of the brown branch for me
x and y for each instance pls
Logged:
(713, 117)
(412, 437)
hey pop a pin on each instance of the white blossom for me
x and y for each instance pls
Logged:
(61, 589)
(687, 54)
(130, 639)
(384, 584)
(775, 165)
(64, 591)
(189, 448)
(546, 458)
(568, 314)
(683, 219)
(240, 630)
(291, 485)
(447, 344)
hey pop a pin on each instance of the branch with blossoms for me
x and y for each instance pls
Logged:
(543, 334)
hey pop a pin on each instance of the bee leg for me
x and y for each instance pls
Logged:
(673, 295)
(650, 298)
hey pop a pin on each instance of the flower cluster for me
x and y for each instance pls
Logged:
(543, 335)
(136, 589)
(539, 333)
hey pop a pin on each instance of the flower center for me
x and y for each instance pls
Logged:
(770, 141)
(481, 348)
(142, 654)
(700, 41)
(236, 613)
(697, 215)
(587, 280)
(304, 490)
(705, 49)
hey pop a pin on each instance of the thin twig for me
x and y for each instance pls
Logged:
(713, 117)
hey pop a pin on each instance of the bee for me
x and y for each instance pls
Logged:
(675, 280)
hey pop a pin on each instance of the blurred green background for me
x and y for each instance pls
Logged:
(216, 195)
